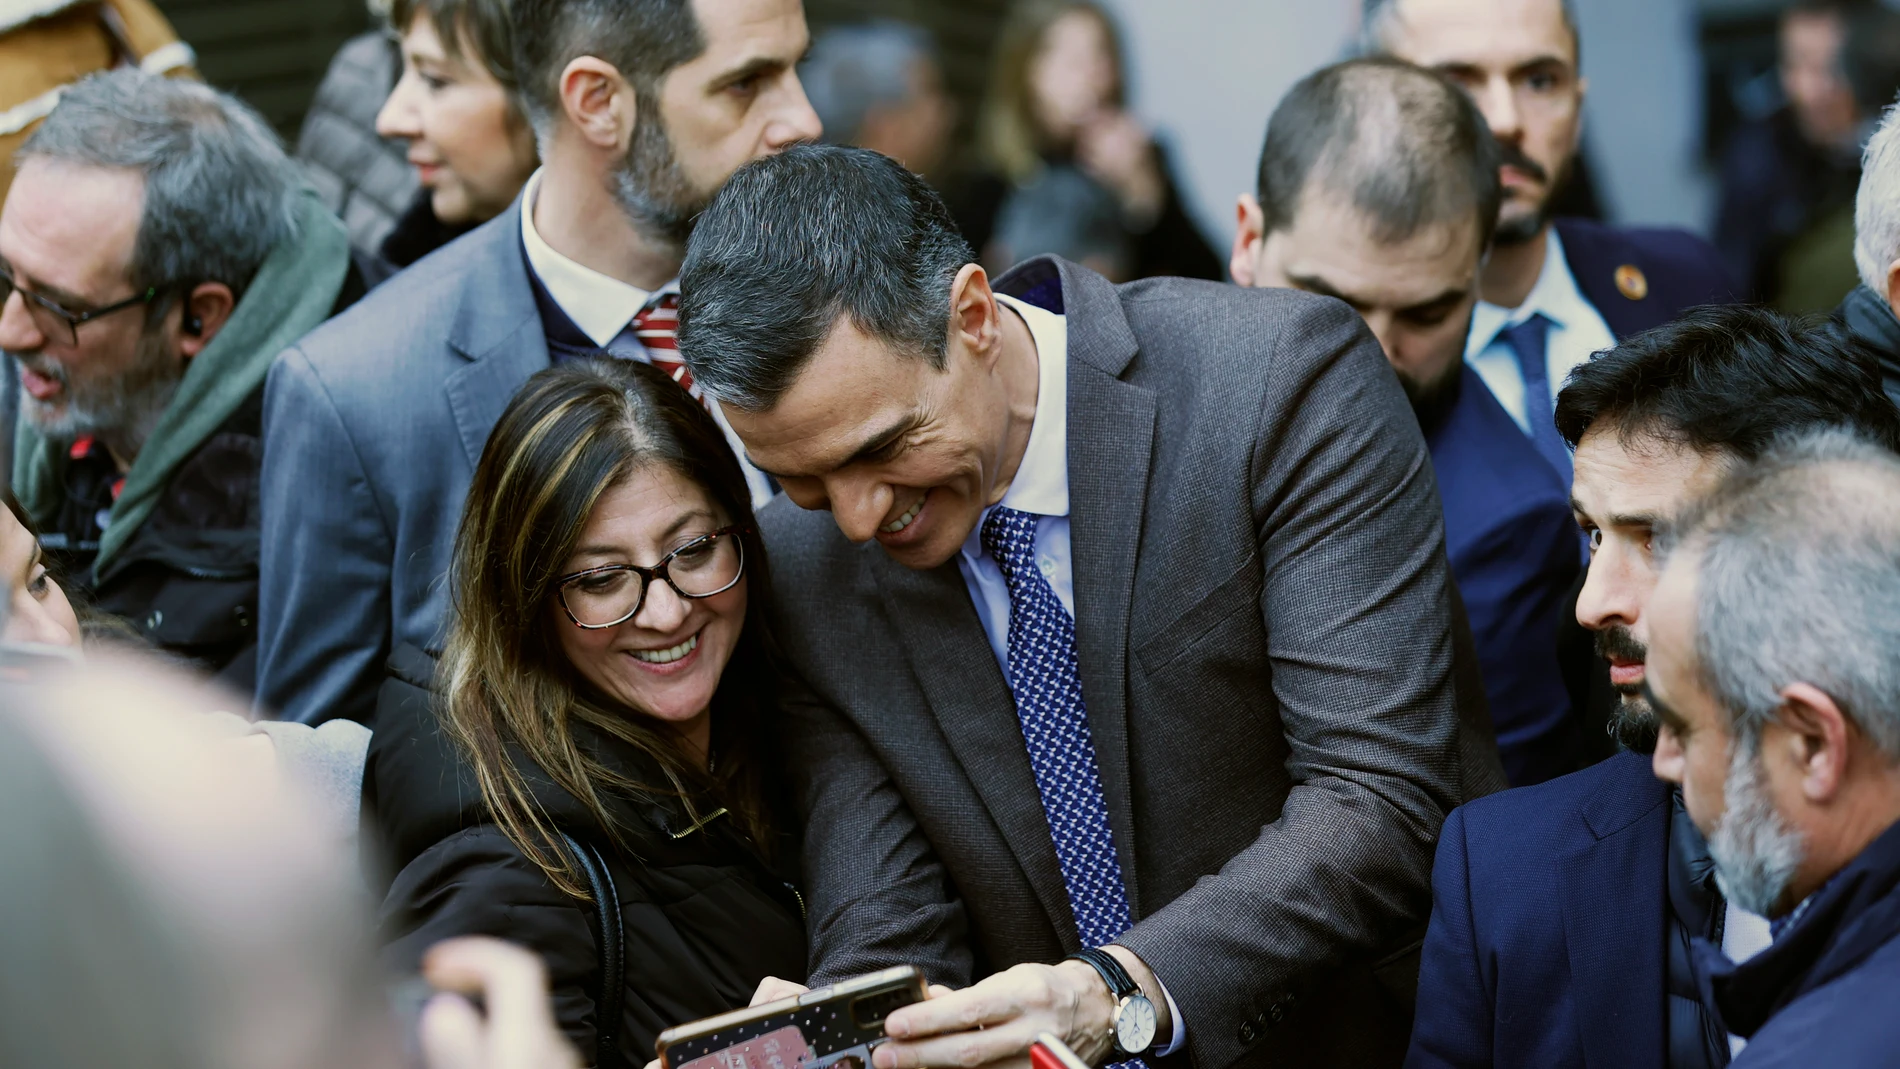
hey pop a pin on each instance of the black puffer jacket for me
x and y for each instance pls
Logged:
(704, 917)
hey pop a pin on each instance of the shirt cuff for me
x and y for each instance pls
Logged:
(1176, 1022)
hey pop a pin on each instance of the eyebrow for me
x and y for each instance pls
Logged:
(1620, 519)
(1316, 284)
(752, 68)
(667, 535)
(41, 289)
(873, 444)
(1459, 67)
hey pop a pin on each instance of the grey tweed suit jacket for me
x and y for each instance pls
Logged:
(1282, 703)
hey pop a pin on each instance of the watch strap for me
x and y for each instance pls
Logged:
(1120, 984)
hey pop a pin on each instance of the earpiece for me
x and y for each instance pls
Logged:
(194, 326)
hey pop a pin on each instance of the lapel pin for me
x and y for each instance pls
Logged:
(1631, 283)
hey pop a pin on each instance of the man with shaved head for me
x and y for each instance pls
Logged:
(1378, 186)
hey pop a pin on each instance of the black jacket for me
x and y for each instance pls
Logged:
(1866, 318)
(705, 918)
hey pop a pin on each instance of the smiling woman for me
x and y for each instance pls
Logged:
(606, 678)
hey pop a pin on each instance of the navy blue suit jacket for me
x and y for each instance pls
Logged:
(1679, 272)
(1546, 946)
(1513, 549)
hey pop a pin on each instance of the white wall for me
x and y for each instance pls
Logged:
(1207, 73)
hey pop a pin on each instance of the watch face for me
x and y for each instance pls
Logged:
(1135, 1024)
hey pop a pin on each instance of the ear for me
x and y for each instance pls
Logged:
(1816, 742)
(209, 306)
(975, 318)
(1893, 287)
(1251, 231)
(599, 103)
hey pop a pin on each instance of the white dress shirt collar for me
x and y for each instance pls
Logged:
(600, 305)
(1555, 295)
(1041, 485)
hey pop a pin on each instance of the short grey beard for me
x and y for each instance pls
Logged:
(651, 187)
(1756, 853)
(122, 411)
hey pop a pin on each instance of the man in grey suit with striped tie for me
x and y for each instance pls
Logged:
(1139, 721)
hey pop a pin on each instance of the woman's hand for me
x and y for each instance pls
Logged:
(1117, 151)
(518, 1029)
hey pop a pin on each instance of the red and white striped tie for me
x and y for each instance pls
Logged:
(656, 328)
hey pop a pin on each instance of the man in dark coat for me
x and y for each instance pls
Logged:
(1872, 312)
(1378, 185)
(1563, 913)
(1151, 662)
(1775, 672)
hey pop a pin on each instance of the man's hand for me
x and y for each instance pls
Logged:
(771, 989)
(518, 1030)
(994, 1022)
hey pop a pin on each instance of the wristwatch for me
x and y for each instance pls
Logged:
(1131, 1027)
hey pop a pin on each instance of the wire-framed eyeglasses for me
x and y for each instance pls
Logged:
(611, 595)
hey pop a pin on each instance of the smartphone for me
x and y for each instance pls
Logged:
(831, 1026)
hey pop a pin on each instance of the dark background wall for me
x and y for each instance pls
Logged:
(273, 52)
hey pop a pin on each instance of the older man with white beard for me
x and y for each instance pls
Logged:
(1774, 668)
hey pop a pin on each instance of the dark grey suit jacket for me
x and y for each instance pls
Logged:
(1264, 621)
(372, 427)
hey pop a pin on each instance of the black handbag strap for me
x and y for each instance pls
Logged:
(613, 983)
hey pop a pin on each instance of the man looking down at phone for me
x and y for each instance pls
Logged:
(1043, 746)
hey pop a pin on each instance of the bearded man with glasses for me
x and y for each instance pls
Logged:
(157, 249)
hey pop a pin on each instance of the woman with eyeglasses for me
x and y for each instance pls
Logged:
(604, 693)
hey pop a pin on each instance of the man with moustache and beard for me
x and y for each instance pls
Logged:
(157, 249)
(1775, 675)
(641, 109)
(1563, 914)
(1554, 291)
(1378, 186)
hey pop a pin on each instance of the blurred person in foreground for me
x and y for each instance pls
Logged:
(1553, 291)
(606, 677)
(1378, 185)
(458, 108)
(1871, 313)
(157, 250)
(879, 86)
(1785, 219)
(1775, 675)
(169, 906)
(1563, 913)
(1057, 111)
(1143, 555)
(641, 108)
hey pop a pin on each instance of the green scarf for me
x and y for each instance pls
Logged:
(293, 291)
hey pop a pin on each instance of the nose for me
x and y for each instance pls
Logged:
(18, 332)
(664, 610)
(397, 119)
(1498, 101)
(30, 622)
(859, 506)
(1382, 326)
(1668, 760)
(795, 122)
(1610, 594)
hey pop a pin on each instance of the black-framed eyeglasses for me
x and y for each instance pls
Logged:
(53, 317)
(613, 594)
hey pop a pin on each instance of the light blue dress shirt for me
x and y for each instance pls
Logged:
(1577, 330)
(1041, 486)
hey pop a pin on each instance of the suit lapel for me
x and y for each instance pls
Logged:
(953, 663)
(498, 329)
(1615, 904)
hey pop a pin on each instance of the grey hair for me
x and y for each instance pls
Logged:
(854, 70)
(220, 193)
(1400, 143)
(1380, 21)
(1877, 205)
(1799, 581)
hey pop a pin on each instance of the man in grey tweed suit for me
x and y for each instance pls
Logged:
(1156, 651)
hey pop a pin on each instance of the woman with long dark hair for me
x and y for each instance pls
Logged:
(605, 692)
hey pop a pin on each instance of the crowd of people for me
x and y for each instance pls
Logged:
(678, 545)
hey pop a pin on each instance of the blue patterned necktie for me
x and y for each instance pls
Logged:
(1529, 343)
(1048, 689)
